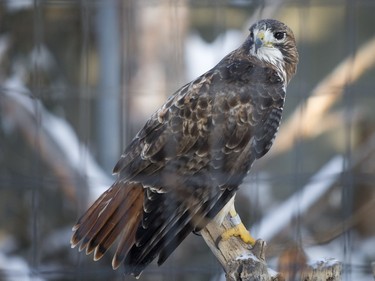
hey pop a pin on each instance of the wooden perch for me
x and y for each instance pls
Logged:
(243, 263)
(239, 261)
(325, 270)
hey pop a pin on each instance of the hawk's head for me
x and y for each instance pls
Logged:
(273, 42)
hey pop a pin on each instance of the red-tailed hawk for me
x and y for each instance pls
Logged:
(187, 162)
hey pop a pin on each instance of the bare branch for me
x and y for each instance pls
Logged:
(325, 270)
(241, 262)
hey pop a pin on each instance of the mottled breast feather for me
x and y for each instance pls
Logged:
(205, 125)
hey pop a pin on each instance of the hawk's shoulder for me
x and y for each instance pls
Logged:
(219, 112)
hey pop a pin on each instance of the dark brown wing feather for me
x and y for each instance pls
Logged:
(189, 159)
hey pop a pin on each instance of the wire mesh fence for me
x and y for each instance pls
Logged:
(78, 79)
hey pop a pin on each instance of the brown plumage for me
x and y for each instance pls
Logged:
(187, 162)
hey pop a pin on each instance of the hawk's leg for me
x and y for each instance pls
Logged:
(238, 230)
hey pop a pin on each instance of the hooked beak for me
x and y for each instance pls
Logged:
(258, 44)
(259, 40)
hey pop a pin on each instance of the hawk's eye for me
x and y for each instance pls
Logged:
(279, 35)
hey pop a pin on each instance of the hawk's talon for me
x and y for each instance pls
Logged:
(239, 230)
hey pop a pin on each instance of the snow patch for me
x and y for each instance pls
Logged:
(247, 256)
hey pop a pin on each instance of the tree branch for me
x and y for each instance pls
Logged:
(243, 263)
(238, 259)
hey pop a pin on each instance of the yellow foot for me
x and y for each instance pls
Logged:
(239, 230)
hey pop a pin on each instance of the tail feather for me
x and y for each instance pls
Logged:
(142, 233)
(198, 221)
(158, 241)
(127, 241)
(87, 221)
(106, 219)
(117, 212)
(114, 226)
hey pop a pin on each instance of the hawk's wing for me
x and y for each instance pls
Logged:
(190, 158)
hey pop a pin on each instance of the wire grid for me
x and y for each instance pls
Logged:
(79, 78)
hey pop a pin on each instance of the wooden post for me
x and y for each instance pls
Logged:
(325, 270)
(243, 263)
(239, 260)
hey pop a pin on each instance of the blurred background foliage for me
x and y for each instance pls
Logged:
(79, 78)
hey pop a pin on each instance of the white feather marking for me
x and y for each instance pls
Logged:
(269, 53)
(273, 56)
